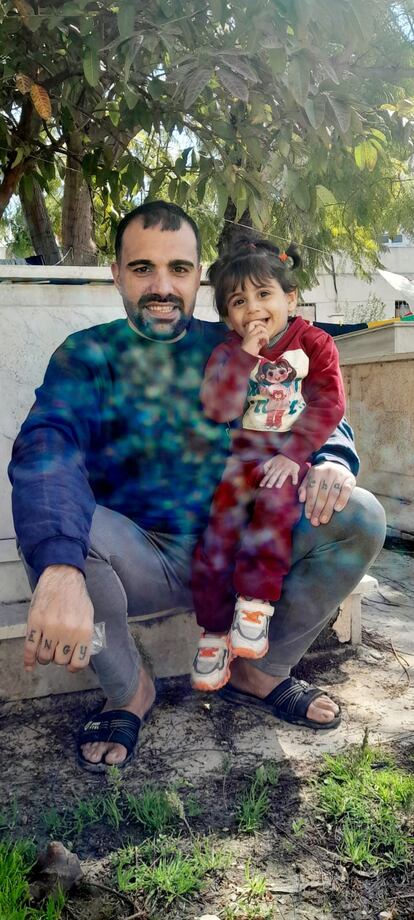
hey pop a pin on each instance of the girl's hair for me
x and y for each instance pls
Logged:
(256, 260)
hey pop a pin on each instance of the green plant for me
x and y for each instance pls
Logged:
(166, 869)
(251, 903)
(16, 860)
(369, 800)
(154, 808)
(298, 827)
(255, 801)
(8, 816)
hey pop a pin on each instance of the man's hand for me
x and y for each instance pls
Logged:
(256, 337)
(60, 622)
(278, 470)
(326, 488)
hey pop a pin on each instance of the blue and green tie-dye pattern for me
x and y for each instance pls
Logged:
(118, 422)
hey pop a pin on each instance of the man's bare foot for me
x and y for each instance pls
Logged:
(140, 703)
(245, 677)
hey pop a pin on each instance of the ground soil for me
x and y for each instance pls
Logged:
(210, 749)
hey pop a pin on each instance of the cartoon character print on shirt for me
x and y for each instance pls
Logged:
(274, 398)
(274, 379)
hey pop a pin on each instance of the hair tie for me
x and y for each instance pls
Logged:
(283, 256)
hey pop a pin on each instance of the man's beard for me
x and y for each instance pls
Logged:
(152, 326)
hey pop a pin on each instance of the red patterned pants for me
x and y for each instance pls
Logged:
(246, 548)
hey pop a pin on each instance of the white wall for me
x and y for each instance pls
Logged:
(352, 290)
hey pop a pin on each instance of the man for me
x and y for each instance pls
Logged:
(113, 473)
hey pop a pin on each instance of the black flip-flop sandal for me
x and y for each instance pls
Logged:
(289, 701)
(115, 725)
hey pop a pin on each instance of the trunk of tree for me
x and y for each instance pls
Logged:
(27, 130)
(9, 185)
(231, 232)
(39, 225)
(77, 214)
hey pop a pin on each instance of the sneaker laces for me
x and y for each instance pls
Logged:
(208, 652)
(253, 616)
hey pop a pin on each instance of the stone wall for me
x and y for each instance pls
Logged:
(380, 407)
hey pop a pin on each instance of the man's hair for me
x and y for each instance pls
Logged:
(154, 214)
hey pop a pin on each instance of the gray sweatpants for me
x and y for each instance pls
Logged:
(131, 572)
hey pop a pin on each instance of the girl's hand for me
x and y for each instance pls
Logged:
(255, 338)
(278, 470)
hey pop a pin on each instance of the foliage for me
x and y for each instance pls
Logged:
(373, 309)
(255, 801)
(16, 861)
(369, 800)
(154, 809)
(168, 868)
(285, 116)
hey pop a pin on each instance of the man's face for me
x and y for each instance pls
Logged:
(158, 277)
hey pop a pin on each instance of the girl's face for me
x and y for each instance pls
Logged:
(267, 304)
(277, 374)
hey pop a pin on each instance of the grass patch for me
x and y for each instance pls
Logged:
(255, 801)
(251, 903)
(166, 869)
(16, 861)
(369, 801)
(155, 810)
(9, 816)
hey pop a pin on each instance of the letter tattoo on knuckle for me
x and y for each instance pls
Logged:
(324, 485)
(82, 651)
(31, 634)
(47, 644)
(337, 486)
(66, 649)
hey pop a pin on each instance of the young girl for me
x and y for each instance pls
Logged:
(276, 380)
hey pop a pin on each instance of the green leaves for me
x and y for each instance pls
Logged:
(315, 110)
(366, 155)
(342, 111)
(324, 197)
(91, 65)
(126, 18)
(299, 77)
(197, 81)
(233, 83)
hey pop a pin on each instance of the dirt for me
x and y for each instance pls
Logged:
(210, 749)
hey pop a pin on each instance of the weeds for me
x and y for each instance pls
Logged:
(368, 799)
(8, 816)
(167, 868)
(298, 827)
(251, 903)
(155, 810)
(16, 861)
(256, 801)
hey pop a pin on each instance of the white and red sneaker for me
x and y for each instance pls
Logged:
(250, 628)
(211, 665)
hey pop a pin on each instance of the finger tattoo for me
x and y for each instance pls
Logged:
(47, 644)
(66, 650)
(337, 486)
(324, 485)
(312, 482)
(31, 634)
(82, 651)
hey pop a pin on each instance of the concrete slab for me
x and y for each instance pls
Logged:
(167, 643)
(389, 610)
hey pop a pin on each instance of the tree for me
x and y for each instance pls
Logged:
(281, 110)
